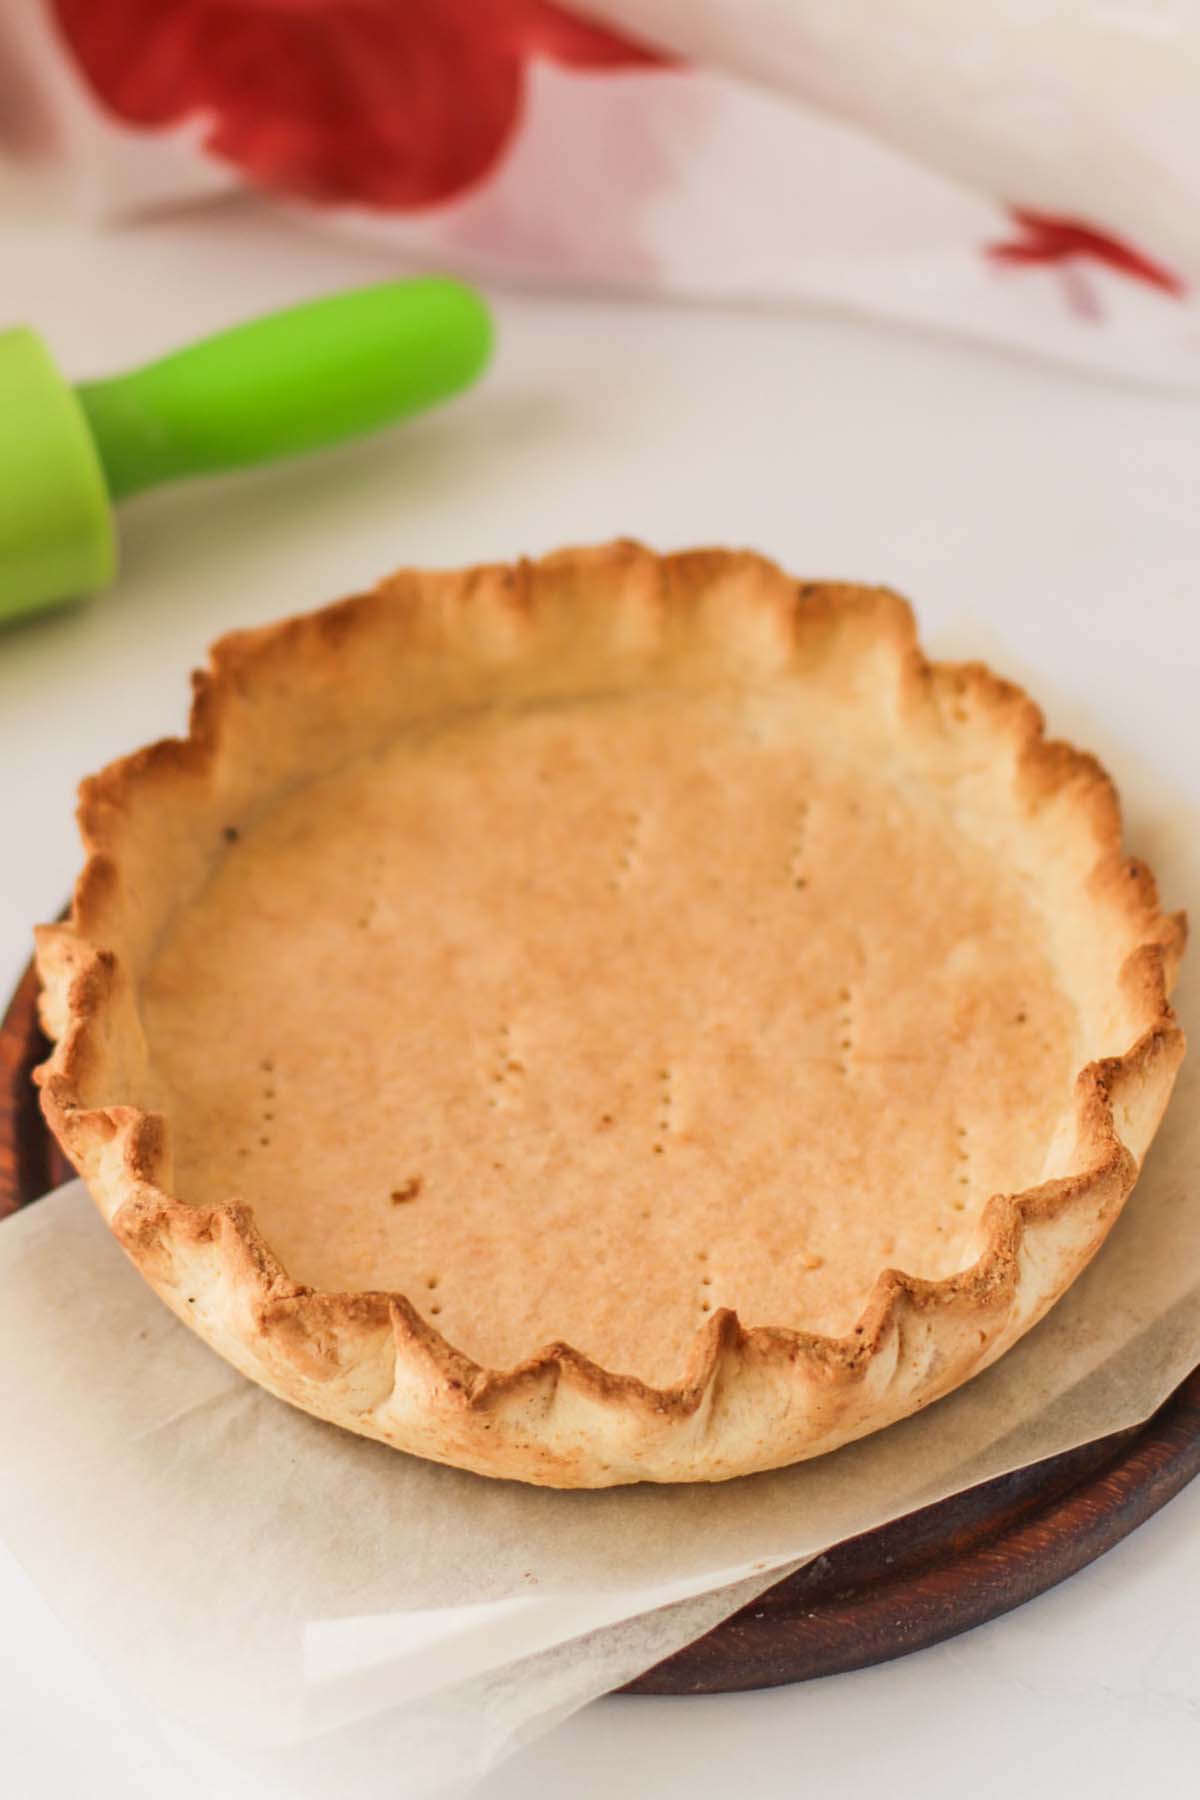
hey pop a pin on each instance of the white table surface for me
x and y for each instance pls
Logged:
(1047, 522)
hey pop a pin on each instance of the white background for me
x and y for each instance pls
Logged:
(1047, 522)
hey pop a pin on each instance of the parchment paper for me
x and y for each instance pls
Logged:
(321, 1615)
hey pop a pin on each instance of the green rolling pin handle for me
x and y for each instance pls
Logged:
(274, 387)
(292, 382)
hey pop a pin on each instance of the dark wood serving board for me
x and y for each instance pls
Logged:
(912, 1583)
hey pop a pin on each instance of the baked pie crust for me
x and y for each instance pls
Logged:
(606, 1019)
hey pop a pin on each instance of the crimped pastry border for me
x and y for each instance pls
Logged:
(752, 1398)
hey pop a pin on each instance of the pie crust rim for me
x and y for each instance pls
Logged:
(751, 1397)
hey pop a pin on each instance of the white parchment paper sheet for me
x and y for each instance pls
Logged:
(317, 1614)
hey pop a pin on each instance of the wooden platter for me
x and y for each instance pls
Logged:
(912, 1583)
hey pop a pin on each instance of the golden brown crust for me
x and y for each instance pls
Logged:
(155, 823)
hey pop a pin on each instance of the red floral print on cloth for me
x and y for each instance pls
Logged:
(1048, 241)
(382, 103)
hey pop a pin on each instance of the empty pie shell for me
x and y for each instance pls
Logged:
(606, 1019)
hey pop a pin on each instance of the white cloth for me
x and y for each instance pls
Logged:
(844, 155)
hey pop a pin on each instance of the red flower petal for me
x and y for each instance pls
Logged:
(566, 39)
(384, 103)
(1046, 239)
